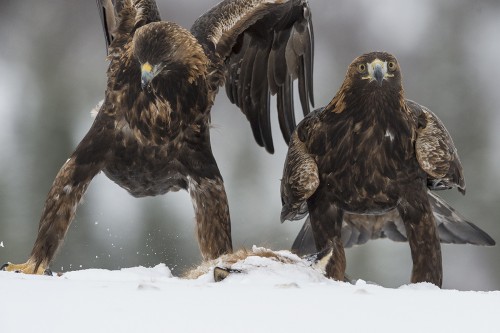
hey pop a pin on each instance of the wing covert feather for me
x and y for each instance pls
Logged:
(436, 152)
(300, 180)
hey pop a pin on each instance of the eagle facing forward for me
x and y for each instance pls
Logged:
(371, 151)
(151, 134)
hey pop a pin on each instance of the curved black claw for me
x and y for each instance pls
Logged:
(222, 273)
(4, 268)
(47, 271)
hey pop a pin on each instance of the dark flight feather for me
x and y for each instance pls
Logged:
(363, 167)
(270, 36)
(107, 14)
(452, 227)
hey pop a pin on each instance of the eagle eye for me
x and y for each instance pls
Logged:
(391, 65)
(362, 68)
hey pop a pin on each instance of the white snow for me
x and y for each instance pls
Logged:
(268, 296)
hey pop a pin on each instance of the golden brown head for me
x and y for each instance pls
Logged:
(369, 75)
(375, 70)
(163, 47)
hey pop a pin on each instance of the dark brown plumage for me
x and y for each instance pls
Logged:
(151, 135)
(372, 152)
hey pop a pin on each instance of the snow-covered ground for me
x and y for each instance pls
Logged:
(268, 296)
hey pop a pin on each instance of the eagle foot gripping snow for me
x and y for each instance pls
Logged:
(28, 267)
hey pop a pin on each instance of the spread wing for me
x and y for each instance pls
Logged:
(113, 13)
(258, 48)
(453, 228)
(436, 152)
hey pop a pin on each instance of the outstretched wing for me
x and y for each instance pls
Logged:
(436, 152)
(357, 229)
(123, 16)
(258, 48)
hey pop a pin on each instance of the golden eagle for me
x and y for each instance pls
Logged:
(371, 152)
(151, 134)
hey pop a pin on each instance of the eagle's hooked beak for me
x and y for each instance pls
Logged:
(378, 74)
(377, 71)
(148, 73)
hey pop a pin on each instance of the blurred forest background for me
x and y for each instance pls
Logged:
(52, 65)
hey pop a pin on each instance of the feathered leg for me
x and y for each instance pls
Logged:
(326, 223)
(213, 223)
(423, 238)
(60, 206)
(66, 192)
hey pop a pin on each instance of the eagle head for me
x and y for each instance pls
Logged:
(164, 48)
(374, 70)
(370, 77)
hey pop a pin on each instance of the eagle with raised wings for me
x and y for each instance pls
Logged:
(362, 167)
(151, 134)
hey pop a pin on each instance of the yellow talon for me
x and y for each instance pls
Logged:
(26, 268)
